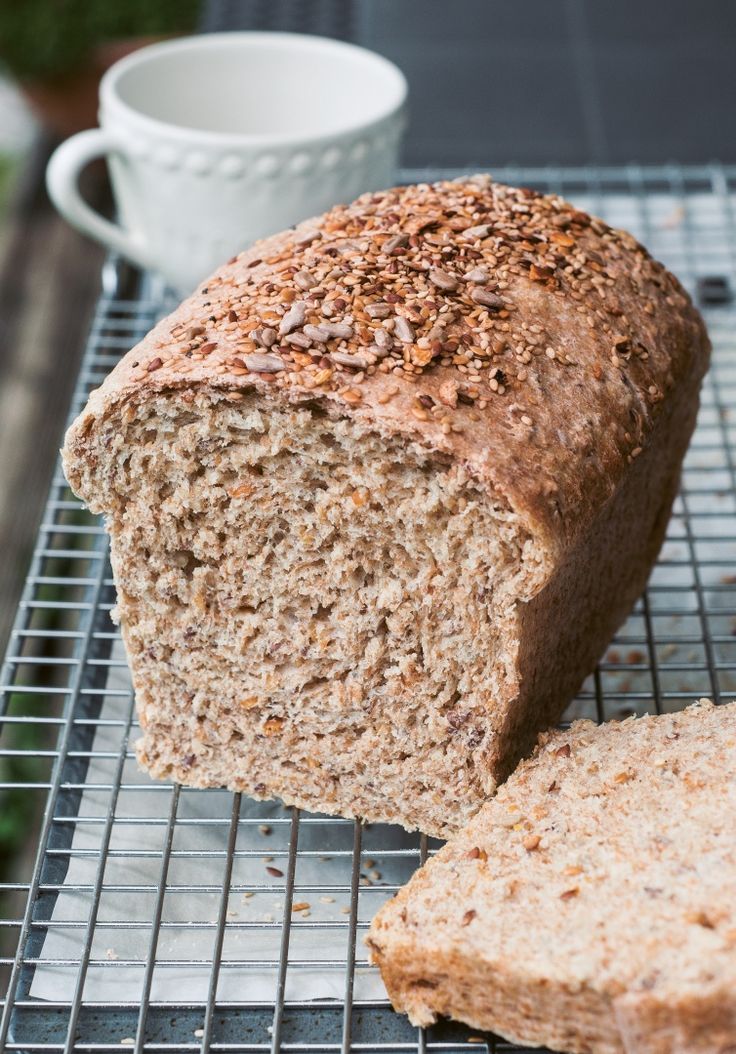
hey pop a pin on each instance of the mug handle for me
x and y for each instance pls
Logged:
(62, 174)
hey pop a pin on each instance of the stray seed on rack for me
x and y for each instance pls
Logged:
(264, 828)
(274, 871)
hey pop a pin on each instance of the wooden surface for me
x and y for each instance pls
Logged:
(49, 280)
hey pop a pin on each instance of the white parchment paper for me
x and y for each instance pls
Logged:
(250, 954)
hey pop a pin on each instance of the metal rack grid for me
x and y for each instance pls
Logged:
(162, 919)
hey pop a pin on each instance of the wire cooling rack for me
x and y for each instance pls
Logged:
(162, 919)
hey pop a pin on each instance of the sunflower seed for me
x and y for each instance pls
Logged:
(437, 332)
(376, 352)
(318, 333)
(305, 280)
(356, 362)
(299, 340)
(403, 329)
(487, 299)
(341, 330)
(378, 310)
(397, 242)
(442, 279)
(258, 363)
(478, 274)
(265, 338)
(293, 318)
(481, 231)
(307, 237)
(382, 338)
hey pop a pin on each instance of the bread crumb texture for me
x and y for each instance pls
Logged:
(367, 484)
(591, 905)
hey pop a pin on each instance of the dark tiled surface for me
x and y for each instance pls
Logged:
(538, 81)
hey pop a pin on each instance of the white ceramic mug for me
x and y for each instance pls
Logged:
(216, 140)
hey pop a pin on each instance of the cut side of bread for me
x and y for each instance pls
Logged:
(380, 492)
(326, 586)
(590, 906)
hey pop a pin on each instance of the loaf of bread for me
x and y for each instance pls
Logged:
(591, 905)
(382, 489)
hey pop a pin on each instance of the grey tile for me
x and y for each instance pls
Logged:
(490, 81)
(540, 81)
(667, 78)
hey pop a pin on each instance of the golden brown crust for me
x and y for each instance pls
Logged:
(565, 337)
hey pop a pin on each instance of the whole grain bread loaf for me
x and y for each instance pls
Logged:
(591, 905)
(382, 489)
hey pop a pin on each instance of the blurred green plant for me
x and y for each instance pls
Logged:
(9, 165)
(49, 38)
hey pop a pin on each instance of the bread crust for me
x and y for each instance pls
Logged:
(591, 416)
(544, 356)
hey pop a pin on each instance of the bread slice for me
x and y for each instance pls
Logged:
(382, 489)
(591, 905)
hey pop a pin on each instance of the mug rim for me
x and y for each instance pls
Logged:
(111, 102)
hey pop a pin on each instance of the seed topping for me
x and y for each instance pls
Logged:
(404, 330)
(407, 281)
(258, 363)
(294, 317)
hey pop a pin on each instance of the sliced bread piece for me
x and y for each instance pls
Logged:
(591, 905)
